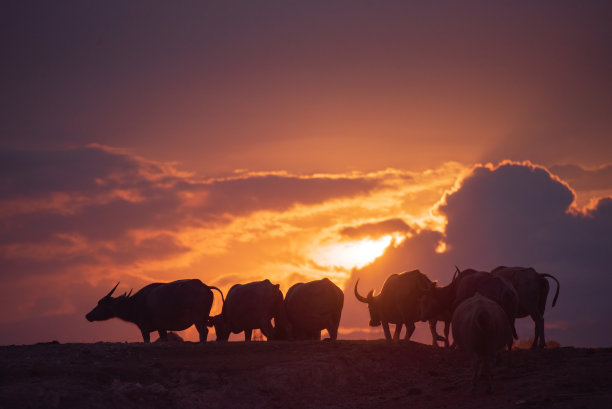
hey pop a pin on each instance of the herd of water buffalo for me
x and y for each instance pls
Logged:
(479, 306)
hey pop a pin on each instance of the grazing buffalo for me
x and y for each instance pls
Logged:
(492, 286)
(481, 327)
(532, 289)
(312, 307)
(160, 307)
(398, 303)
(251, 306)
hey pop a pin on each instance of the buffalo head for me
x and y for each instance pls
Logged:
(373, 306)
(107, 307)
(222, 328)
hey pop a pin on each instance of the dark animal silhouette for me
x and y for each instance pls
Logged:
(532, 290)
(492, 286)
(437, 303)
(431, 312)
(160, 307)
(481, 328)
(398, 303)
(171, 337)
(251, 306)
(312, 307)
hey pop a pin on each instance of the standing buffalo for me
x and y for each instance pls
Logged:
(492, 286)
(481, 327)
(398, 303)
(251, 306)
(437, 303)
(312, 307)
(160, 307)
(532, 289)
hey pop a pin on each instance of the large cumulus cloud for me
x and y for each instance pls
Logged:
(517, 214)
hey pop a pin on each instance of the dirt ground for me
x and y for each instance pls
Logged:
(341, 374)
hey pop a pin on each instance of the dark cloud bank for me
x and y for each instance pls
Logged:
(516, 214)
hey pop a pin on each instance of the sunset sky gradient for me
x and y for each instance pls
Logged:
(236, 141)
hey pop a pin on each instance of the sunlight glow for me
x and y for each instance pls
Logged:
(353, 253)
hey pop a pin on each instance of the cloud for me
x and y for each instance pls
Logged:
(87, 217)
(516, 214)
(581, 178)
(502, 210)
(100, 195)
(376, 229)
(87, 170)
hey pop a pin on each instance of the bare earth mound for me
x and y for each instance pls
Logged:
(342, 374)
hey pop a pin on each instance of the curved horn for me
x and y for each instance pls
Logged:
(457, 271)
(113, 290)
(359, 297)
(130, 293)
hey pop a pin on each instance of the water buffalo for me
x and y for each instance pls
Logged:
(532, 289)
(312, 307)
(481, 327)
(251, 306)
(398, 303)
(437, 303)
(160, 307)
(492, 286)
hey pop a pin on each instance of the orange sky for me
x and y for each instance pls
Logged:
(233, 142)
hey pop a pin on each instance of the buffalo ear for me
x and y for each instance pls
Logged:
(434, 283)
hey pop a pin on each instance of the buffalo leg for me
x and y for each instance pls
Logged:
(409, 330)
(267, 329)
(163, 335)
(398, 330)
(434, 333)
(336, 322)
(538, 339)
(332, 330)
(146, 336)
(514, 335)
(333, 333)
(247, 334)
(446, 333)
(385, 326)
(202, 331)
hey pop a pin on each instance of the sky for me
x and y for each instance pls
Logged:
(236, 141)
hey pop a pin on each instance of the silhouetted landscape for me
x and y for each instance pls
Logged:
(409, 202)
(307, 374)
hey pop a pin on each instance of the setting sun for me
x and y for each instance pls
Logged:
(353, 253)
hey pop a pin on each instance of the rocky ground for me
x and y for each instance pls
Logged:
(342, 374)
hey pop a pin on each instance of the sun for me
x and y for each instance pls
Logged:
(350, 254)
